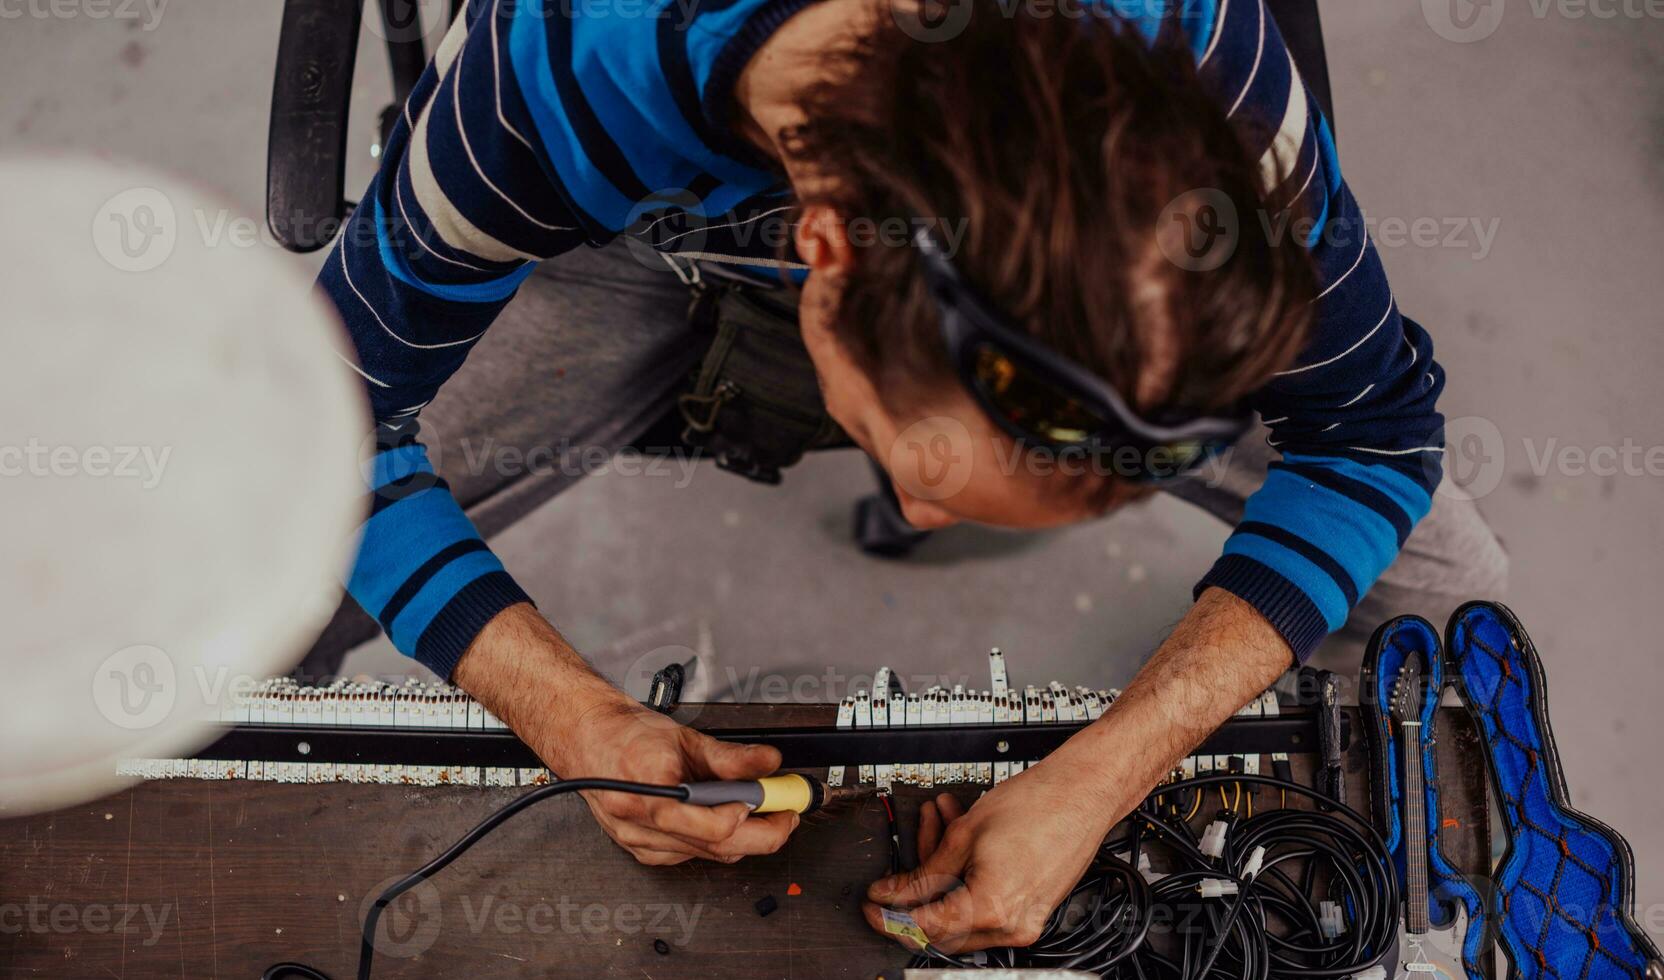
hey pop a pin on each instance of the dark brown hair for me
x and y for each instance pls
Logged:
(1056, 145)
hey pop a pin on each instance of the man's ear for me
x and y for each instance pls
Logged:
(823, 242)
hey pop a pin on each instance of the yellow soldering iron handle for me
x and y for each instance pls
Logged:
(771, 794)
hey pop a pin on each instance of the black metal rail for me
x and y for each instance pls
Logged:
(800, 748)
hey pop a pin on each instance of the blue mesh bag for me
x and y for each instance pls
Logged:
(1564, 892)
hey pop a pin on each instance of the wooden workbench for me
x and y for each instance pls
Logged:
(196, 879)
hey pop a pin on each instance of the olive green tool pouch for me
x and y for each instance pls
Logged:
(754, 404)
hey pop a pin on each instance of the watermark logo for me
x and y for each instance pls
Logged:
(592, 920)
(576, 460)
(1467, 21)
(145, 15)
(1474, 458)
(136, 230)
(670, 216)
(408, 21)
(931, 21)
(39, 917)
(391, 435)
(1202, 228)
(672, 227)
(831, 685)
(1198, 230)
(1472, 234)
(135, 687)
(1478, 455)
(677, 664)
(932, 459)
(1463, 21)
(409, 924)
(145, 464)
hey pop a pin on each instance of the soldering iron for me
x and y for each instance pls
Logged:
(772, 794)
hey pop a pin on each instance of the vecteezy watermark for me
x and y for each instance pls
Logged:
(1474, 458)
(1201, 229)
(413, 921)
(37, 916)
(933, 458)
(673, 216)
(566, 458)
(1477, 454)
(37, 459)
(1467, 21)
(146, 13)
(1463, 21)
(1161, 462)
(831, 685)
(135, 687)
(1470, 233)
(138, 229)
(1198, 230)
(672, 921)
(408, 925)
(672, 222)
(408, 21)
(933, 21)
(679, 14)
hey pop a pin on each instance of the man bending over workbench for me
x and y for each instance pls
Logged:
(1036, 263)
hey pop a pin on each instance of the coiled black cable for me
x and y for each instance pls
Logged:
(1271, 928)
(366, 949)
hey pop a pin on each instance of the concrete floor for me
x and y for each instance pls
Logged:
(1553, 128)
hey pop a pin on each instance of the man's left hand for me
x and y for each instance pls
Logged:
(992, 875)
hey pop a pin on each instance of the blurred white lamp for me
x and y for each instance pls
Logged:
(179, 489)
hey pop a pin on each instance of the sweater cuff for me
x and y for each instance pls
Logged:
(447, 637)
(1290, 611)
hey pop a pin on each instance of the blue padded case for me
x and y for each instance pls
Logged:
(1565, 887)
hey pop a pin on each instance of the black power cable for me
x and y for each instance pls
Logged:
(366, 949)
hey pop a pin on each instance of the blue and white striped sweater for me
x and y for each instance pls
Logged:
(535, 131)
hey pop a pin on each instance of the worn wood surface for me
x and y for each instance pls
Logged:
(222, 879)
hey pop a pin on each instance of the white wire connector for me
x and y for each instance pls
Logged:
(1251, 869)
(1217, 887)
(1373, 973)
(1330, 920)
(1213, 839)
(1150, 874)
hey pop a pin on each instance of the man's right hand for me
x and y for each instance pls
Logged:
(627, 741)
(582, 726)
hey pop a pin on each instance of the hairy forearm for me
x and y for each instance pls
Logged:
(526, 673)
(1221, 656)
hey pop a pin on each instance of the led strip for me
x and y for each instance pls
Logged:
(416, 705)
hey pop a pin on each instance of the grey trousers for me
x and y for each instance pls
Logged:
(593, 350)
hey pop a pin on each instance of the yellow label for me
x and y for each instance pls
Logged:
(899, 923)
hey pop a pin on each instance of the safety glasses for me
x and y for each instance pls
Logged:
(1044, 400)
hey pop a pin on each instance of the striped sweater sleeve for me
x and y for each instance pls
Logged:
(1355, 419)
(456, 218)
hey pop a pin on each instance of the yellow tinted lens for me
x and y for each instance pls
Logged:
(1185, 454)
(1031, 403)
